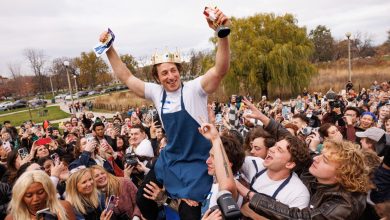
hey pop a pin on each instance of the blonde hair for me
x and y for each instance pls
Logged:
(18, 209)
(352, 172)
(113, 185)
(79, 201)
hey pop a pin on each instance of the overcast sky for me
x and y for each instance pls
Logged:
(65, 28)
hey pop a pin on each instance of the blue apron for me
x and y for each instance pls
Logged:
(181, 166)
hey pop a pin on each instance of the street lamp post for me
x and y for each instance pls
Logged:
(75, 84)
(66, 64)
(51, 84)
(348, 35)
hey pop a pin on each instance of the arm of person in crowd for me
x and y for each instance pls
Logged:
(214, 76)
(267, 206)
(274, 128)
(211, 114)
(155, 193)
(223, 171)
(122, 72)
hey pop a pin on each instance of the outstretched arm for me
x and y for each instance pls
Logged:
(223, 170)
(214, 76)
(122, 72)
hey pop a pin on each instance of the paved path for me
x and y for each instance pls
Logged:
(65, 108)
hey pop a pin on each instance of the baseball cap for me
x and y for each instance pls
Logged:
(372, 133)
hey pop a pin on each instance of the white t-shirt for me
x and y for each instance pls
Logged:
(194, 98)
(213, 196)
(294, 194)
(143, 149)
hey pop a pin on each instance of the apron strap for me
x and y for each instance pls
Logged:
(255, 164)
(165, 97)
(255, 178)
(285, 182)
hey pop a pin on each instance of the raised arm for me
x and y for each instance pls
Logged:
(223, 171)
(214, 76)
(122, 72)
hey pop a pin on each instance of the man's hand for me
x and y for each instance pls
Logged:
(256, 113)
(103, 36)
(208, 131)
(153, 192)
(220, 19)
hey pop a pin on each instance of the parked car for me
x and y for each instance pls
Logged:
(68, 97)
(4, 106)
(60, 96)
(37, 102)
(18, 104)
(82, 93)
(93, 93)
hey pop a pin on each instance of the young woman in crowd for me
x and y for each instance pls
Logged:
(34, 191)
(123, 188)
(82, 194)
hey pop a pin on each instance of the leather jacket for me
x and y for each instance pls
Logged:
(326, 201)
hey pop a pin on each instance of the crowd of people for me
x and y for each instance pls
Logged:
(313, 157)
(317, 156)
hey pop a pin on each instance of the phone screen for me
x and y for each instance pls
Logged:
(111, 203)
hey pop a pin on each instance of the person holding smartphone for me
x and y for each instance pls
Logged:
(119, 188)
(34, 191)
(82, 194)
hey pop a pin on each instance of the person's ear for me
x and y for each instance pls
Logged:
(290, 165)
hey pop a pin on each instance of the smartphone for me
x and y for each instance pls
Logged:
(89, 137)
(23, 152)
(55, 158)
(111, 203)
(45, 214)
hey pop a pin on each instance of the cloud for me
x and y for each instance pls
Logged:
(68, 27)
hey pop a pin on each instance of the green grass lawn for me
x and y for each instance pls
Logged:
(54, 113)
(13, 110)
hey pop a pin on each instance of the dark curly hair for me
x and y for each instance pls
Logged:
(300, 153)
(234, 151)
(257, 132)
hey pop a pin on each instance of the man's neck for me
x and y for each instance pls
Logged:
(278, 175)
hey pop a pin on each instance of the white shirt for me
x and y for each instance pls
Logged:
(294, 194)
(194, 98)
(143, 149)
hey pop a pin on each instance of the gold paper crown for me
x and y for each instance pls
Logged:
(166, 57)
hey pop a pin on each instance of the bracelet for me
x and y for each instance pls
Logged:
(247, 194)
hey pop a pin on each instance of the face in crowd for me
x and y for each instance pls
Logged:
(136, 136)
(99, 131)
(334, 134)
(169, 76)
(100, 178)
(42, 151)
(366, 121)
(258, 148)
(159, 133)
(278, 157)
(85, 185)
(35, 197)
(352, 114)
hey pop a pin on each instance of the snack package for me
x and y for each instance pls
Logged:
(102, 47)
